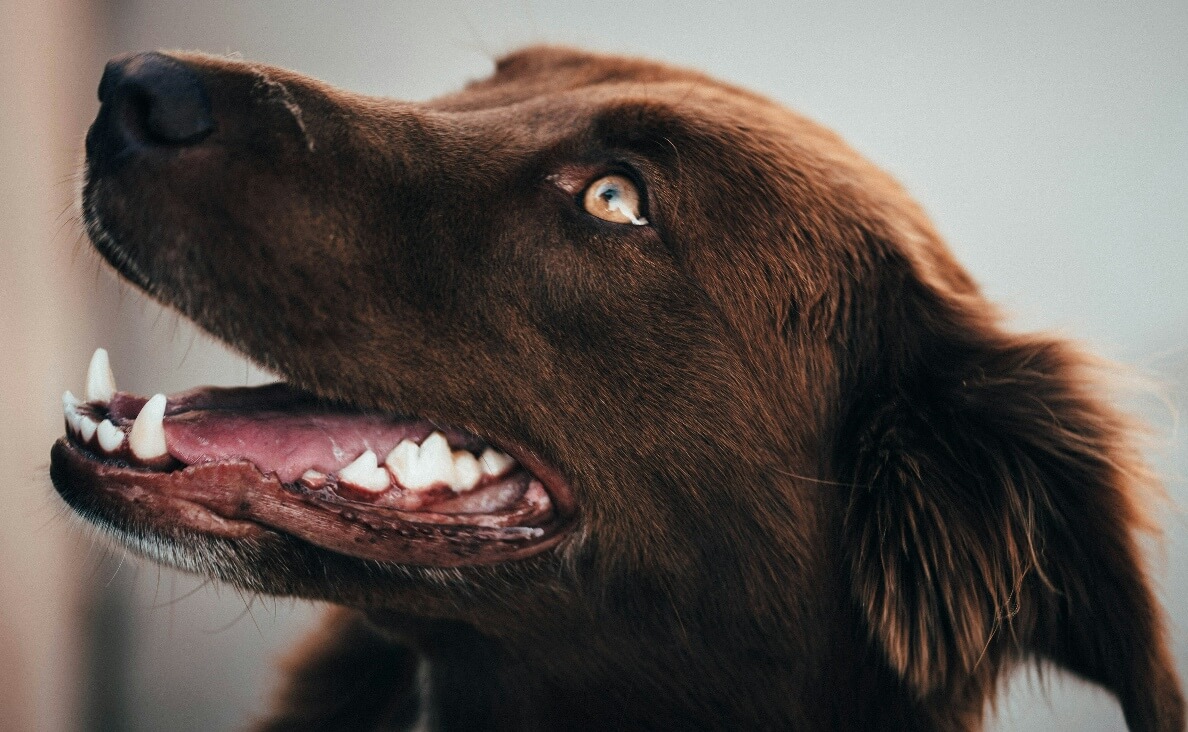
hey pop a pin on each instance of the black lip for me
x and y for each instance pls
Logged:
(247, 504)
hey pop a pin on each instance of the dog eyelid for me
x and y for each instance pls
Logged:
(614, 198)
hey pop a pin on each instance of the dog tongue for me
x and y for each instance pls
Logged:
(280, 429)
(285, 443)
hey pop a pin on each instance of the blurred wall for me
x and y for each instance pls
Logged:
(45, 52)
(1049, 141)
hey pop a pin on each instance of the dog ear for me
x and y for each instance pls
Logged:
(993, 512)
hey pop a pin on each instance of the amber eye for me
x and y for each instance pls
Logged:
(614, 198)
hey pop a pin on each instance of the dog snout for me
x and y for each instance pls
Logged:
(149, 100)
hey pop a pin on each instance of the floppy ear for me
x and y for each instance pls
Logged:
(993, 514)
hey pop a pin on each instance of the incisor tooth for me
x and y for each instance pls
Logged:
(87, 427)
(495, 463)
(70, 411)
(466, 472)
(365, 473)
(110, 436)
(100, 381)
(147, 438)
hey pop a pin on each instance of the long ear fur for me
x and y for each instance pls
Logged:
(994, 510)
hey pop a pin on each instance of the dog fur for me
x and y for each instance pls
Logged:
(817, 484)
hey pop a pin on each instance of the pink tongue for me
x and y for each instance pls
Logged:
(285, 443)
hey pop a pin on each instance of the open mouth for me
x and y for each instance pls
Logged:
(237, 462)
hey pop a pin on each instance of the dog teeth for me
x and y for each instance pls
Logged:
(437, 462)
(495, 463)
(313, 479)
(80, 424)
(100, 381)
(412, 466)
(110, 436)
(466, 472)
(147, 438)
(70, 411)
(417, 467)
(365, 473)
(402, 461)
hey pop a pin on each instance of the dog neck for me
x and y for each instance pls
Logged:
(592, 677)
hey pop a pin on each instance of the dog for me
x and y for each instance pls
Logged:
(613, 397)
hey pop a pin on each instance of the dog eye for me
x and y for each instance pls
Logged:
(614, 198)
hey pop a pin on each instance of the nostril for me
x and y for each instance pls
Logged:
(156, 100)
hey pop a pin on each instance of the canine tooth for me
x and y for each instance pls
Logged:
(365, 473)
(495, 463)
(100, 381)
(147, 438)
(110, 436)
(466, 472)
(87, 427)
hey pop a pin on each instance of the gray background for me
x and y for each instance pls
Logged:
(1049, 141)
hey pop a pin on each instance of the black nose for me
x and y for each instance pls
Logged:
(154, 100)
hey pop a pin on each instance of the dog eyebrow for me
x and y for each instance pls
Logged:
(648, 128)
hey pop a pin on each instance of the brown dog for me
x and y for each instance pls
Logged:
(621, 398)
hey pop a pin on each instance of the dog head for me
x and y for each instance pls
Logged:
(759, 416)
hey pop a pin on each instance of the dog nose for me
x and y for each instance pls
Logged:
(155, 100)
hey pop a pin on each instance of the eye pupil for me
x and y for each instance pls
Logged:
(614, 198)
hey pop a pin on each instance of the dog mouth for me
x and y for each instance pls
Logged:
(240, 462)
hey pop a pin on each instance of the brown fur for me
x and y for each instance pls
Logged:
(818, 485)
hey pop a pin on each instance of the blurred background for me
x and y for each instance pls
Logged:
(1048, 140)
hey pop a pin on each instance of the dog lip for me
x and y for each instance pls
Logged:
(246, 503)
(556, 485)
(523, 509)
(80, 478)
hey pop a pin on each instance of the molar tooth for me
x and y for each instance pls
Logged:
(436, 464)
(87, 427)
(403, 461)
(365, 473)
(466, 472)
(147, 438)
(100, 381)
(495, 463)
(110, 436)
(313, 479)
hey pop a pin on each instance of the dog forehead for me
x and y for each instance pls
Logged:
(573, 78)
(683, 120)
(566, 68)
